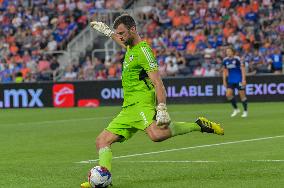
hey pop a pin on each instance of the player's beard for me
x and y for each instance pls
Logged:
(129, 41)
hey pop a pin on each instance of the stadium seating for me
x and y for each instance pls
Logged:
(186, 36)
(31, 28)
(200, 30)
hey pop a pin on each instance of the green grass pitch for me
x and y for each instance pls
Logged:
(41, 148)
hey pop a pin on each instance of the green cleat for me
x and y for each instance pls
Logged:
(209, 126)
(86, 185)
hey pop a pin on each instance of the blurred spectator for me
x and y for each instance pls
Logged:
(218, 66)
(99, 66)
(171, 58)
(52, 44)
(54, 67)
(6, 74)
(88, 69)
(247, 25)
(25, 71)
(111, 71)
(43, 65)
(30, 77)
(261, 68)
(199, 70)
(251, 69)
(199, 30)
(108, 63)
(162, 69)
(172, 68)
(81, 75)
(28, 28)
(276, 61)
(191, 48)
(19, 77)
(70, 74)
(101, 75)
(210, 71)
(118, 70)
(183, 69)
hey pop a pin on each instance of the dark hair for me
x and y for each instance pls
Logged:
(125, 19)
(232, 49)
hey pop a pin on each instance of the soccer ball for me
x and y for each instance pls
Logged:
(99, 177)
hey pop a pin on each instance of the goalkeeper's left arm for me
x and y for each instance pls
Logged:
(162, 117)
(104, 29)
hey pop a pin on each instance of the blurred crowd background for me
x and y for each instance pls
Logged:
(188, 37)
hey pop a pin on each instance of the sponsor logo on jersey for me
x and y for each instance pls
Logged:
(131, 57)
(231, 66)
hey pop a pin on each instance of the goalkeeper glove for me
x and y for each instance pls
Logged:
(162, 116)
(102, 28)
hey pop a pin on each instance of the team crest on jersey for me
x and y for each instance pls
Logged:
(131, 57)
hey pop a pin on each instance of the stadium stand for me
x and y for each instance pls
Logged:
(30, 28)
(199, 30)
(188, 37)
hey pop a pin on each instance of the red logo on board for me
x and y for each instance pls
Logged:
(88, 103)
(63, 95)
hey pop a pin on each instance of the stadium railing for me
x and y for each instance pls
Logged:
(87, 38)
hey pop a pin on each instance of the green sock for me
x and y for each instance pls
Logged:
(178, 128)
(105, 157)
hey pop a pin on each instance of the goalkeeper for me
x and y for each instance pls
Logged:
(144, 106)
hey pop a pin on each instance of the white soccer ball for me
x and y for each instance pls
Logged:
(99, 177)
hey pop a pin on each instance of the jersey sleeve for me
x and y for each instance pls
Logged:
(148, 60)
(238, 59)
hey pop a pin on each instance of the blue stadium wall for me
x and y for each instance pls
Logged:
(91, 93)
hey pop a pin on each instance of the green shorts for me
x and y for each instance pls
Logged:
(131, 119)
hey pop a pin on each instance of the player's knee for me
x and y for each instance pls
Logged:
(243, 98)
(98, 142)
(242, 95)
(229, 97)
(101, 142)
(154, 137)
(155, 133)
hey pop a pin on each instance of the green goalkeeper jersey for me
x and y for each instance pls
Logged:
(137, 87)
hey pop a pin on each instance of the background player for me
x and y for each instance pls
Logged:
(234, 77)
(143, 89)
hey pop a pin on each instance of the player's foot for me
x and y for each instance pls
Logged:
(86, 185)
(245, 114)
(235, 112)
(209, 126)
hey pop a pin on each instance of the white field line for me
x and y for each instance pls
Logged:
(187, 148)
(190, 161)
(59, 121)
(268, 160)
(202, 161)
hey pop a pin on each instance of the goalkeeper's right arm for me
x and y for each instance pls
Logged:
(104, 29)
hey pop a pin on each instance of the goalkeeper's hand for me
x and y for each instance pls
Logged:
(162, 116)
(102, 27)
